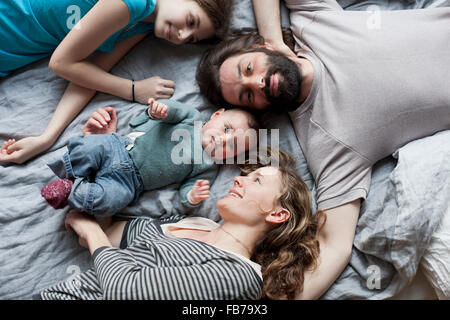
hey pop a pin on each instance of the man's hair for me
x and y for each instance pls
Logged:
(239, 42)
(219, 11)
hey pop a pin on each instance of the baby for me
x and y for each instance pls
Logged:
(103, 173)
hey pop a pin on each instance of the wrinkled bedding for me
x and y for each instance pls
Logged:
(37, 252)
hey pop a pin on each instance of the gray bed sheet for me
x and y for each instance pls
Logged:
(35, 249)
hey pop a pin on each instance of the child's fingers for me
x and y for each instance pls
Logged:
(167, 83)
(104, 113)
(92, 122)
(166, 91)
(99, 118)
(203, 188)
(198, 183)
(158, 109)
(8, 146)
(113, 114)
(204, 182)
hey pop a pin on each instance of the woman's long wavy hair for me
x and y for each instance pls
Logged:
(290, 249)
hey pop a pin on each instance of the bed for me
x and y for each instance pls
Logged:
(37, 252)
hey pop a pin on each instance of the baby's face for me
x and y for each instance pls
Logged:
(225, 134)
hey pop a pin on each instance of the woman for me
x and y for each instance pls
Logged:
(71, 30)
(266, 218)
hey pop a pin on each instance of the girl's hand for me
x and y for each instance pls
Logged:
(199, 192)
(157, 110)
(154, 87)
(102, 121)
(24, 149)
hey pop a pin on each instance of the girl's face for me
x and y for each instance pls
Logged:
(182, 21)
(252, 197)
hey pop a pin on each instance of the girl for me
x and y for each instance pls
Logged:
(34, 29)
(266, 218)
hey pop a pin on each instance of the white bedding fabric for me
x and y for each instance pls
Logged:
(435, 262)
(423, 173)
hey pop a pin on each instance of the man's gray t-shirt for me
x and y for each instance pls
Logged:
(381, 79)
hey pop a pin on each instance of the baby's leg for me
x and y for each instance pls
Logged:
(104, 197)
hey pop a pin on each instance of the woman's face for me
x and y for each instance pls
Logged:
(252, 196)
(182, 21)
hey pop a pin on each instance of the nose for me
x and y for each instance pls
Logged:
(256, 82)
(238, 181)
(184, 34)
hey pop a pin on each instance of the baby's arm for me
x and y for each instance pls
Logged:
(157, 110)
(171, 111)
(102, 121)
(195, 189)
(199, 192)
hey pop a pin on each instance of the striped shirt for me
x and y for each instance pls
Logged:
(157, 267)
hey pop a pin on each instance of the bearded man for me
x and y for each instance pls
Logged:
(356, 92)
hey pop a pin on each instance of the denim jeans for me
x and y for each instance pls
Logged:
(105, 178)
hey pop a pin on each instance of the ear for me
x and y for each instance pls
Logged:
(217, 113)
(278, 216)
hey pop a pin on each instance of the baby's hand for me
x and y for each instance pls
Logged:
(157, 110)
(199, 192)
(102, 121)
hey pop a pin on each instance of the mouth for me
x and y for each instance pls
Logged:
(274, 85)
(233, 193)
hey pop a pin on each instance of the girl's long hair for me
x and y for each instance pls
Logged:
(290, 249)
(219, 11)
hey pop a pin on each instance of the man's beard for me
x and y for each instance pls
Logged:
(290, 79)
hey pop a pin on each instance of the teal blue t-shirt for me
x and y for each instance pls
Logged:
(31, 29)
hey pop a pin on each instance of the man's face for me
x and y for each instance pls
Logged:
(259, 79)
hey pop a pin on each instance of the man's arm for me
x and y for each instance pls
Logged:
(336, 241)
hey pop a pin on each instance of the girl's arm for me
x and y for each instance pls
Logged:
(336, 241)
(268, 20)
(74, 99)
(69, 59)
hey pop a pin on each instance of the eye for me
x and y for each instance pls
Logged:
(258, 180)
(190, 21)
(226, 128)
(249, 68)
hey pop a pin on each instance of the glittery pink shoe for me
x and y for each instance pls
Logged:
(57, 192)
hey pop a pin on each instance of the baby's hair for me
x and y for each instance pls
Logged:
(219, 11)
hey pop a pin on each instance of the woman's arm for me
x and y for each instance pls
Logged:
(268, 20)
(90, 234)
(336, 241)
(74, 99)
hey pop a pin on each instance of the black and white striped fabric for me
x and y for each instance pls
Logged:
(157, 267)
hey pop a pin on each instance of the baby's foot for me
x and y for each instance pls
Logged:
(57, 192)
